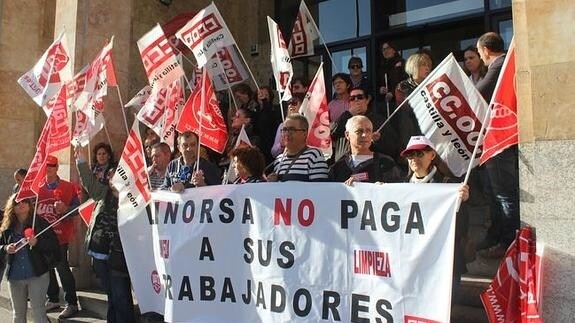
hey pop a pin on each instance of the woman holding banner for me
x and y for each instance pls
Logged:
(423, 168)
(29, 258)
(104, 245)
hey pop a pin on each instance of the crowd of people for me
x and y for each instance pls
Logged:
(398, 152)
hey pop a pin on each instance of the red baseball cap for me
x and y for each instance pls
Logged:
(51, 161)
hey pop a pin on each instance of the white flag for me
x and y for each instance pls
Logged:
(304, 33)
(158, 57)
(314, 108)
(50, 73)
(140, 98)
(226, 68)
(449, 110)
(281, 62)
(205, 34)
(131, 178)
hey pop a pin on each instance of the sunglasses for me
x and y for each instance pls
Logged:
(357, 97)
(415, 153)
(355, 66)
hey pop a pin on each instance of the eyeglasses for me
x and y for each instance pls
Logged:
(357, 97)
(415, 154)
(383, 49)
(291, 130)
(355, 66)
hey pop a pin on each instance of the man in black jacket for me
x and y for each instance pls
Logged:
(502, 170)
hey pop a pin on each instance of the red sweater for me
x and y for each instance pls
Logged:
(46, 199)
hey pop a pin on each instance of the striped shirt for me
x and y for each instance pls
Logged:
(308, 166)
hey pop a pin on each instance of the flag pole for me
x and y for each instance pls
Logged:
(122, 108)
(322, 40)
(202, 102)
(385, 96)
(246, 62)
(479, 140)
(108, 135)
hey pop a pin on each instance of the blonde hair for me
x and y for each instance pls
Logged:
(9, 214)
(414, 62)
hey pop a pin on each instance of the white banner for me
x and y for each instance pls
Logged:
(449, 110)
(158, 57)
(294, 252)
(205, 34)
(53, 69)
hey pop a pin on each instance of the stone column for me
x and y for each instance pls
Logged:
(89, 24)
(545, 89)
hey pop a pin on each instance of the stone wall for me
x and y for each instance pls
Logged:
(545, 83)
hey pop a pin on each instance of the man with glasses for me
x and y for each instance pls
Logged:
(360, 105)
(55, 199)
(298, 162)
(362, 164)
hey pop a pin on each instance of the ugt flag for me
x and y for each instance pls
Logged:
(203, 116)
(44, 80)
(314, 108)
(501, 131)
(131, 177)
(303, 34)
(205, 34)
(449, 111)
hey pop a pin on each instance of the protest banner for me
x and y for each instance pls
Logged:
(294, 252)
(449, 110)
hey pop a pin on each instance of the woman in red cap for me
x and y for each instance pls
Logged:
(423, 168)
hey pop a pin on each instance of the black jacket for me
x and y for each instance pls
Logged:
(381, 168)
(44, 255)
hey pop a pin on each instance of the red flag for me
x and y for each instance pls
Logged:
(207, 121)
(314, 108)
(514, 293)
(54, 137)
(501, 132)
(85, 210)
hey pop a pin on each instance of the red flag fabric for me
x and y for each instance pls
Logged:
(85, 210)
(501, 132)
(514, 293)
(314, 108)
(54, 137)
(207, 121)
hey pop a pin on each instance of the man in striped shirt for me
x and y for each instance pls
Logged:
(160, 155)
(298, 162)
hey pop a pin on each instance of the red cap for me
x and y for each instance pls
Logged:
(417, 143)
(51, 160)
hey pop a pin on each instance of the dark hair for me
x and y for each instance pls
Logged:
(354, 60)
(162, 146)
(390, 44)
(492, 41)
(343, 76)
(270, 92)
(251, 158)
(244, 89)
(300, 80)
(482, 67)
(107, 148)
(248, 114)
(21, 171)
(359, 88)
(186, 135)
